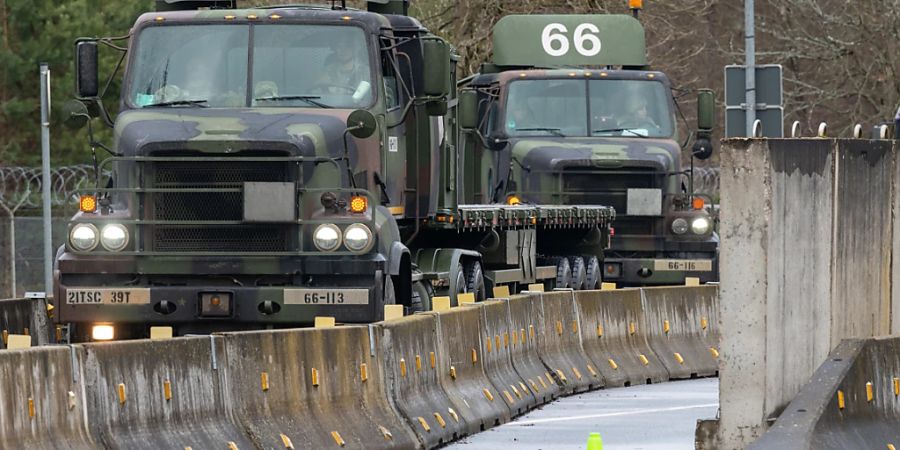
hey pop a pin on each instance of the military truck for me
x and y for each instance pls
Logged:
(568, 112)
(270, 166)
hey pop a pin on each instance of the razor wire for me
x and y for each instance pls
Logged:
(706, 181)
(21, 187)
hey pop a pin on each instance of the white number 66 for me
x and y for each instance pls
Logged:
(556, 43)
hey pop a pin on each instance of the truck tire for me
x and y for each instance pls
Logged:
(475, 281)
(563, 273)
(579, 273)
(593, 277)
(460, 284)
(421, 297)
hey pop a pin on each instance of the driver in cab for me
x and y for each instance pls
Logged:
(346, 73)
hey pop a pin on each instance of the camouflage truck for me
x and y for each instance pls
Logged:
(270, 166)
(568, 112)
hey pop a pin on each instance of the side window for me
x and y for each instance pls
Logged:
(391, 86)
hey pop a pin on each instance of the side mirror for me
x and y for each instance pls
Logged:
(75, 114)
(87, 80)
(467, 115)
(361, 124)
(706, 110)
(437, 67)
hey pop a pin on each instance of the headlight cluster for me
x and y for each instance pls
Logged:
(699, 225)
(85, 237)
(357, 238)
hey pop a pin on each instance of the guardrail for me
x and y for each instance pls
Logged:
(851, 401)
(416, 382)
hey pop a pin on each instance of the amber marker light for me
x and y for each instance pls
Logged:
(87, 203)
(635, 4)
(698, 203)
(358, 204)
(513, 200)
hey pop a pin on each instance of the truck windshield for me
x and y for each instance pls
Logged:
(317, 66)
(578, 108)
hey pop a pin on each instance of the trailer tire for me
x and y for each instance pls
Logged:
(475, 281)
(421, 297)
(593, 276)
(579, 273)
(563, 273)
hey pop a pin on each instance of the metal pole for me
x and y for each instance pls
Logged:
(12, 253)
(45, 178)
(750, 62)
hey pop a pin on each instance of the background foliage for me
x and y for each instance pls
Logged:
(842, 63)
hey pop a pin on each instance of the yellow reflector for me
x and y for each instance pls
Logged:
(161, 332)
(252, 16)
(274, 17)
(869, 394)
(229, 17)
(87, 203)
(160, 18)
(513, 200)
(840, 399)
(359, 204)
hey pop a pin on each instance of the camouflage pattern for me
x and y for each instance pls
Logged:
(534, 169)
(182, 176)
(310, 141)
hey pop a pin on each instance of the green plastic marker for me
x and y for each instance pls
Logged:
(595, 442)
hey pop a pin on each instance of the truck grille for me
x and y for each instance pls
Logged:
(610, 188)
(212, 206)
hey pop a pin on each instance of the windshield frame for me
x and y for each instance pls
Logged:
(372, 47)
(500, 125)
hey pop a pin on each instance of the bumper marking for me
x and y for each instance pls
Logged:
(326, 296)
(108, 296)
(682, 265)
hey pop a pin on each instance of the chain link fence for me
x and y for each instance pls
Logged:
(21, 227)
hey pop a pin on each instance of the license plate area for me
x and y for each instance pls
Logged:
(313, 297)
(107, 296)
(682, 265)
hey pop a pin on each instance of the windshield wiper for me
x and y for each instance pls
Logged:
(554, 131)
(201, 103)
(620, 130)
(311, 99)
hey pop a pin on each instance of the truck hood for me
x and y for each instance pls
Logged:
(556, 153)
(214, 130)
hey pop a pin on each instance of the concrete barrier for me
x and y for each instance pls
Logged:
(314, 388)
(615, 339)
(524, 314)
(475, 397)
(160, 394)
(805, 264)
(561, 348)
(677, 322)
(498, 341)
(850, 402)
(25, 316)
(418, 393)
(42, 401)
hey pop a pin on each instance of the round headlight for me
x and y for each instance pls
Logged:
(679, 226)
(358, 238)
(83, 237)
(700, 225)
(114, 237)
(327, 237)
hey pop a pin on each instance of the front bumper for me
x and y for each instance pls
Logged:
(167, 291)
(669, 263)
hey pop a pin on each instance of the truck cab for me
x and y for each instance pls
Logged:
(258, 175)
(569, 112)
